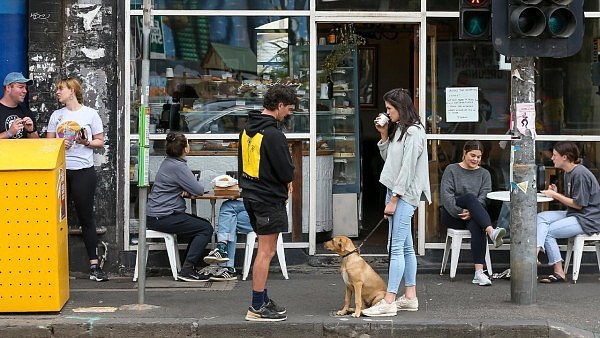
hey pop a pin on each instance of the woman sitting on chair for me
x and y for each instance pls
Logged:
(463, 192)
(582, 199)
(165, 211)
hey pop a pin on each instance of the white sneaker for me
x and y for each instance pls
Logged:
(405, 304)
(381, 309)
(482, 279)
(497, 235)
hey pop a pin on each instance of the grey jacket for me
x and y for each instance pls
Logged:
(173, 178)
(406, 168)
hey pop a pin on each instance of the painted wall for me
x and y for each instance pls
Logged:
(80, 38)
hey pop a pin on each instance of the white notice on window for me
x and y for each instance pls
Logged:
(462, 104)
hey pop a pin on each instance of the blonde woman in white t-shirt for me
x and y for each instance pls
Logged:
(81, 128)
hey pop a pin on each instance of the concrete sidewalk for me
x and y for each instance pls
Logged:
(312, 295)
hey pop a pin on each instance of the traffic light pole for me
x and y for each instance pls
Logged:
(523, 202)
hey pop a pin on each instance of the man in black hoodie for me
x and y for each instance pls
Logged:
(266, 168)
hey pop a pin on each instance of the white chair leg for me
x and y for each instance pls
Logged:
(456, 243)
(488, 260)
(171, 245)
(569, 252)
(598, 254)
(135, 272)
(578, 252)
(445, 256)
(249, 250)
(281, 256)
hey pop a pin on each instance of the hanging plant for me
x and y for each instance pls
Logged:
(348, 41)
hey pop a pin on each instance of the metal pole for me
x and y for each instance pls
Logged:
(143, 152)
(523, 204)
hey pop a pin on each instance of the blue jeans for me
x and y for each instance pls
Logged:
(233, 218)
(552, 225)
(403, 261)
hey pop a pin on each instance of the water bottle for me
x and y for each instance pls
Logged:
(541, 177)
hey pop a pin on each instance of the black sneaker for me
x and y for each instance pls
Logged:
(188, 275)
(207, 272)
(264, 314)
(224, 274)
(216, 256)
(97, 274)
(275, 307)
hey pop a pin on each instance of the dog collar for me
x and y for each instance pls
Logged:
(350, 253)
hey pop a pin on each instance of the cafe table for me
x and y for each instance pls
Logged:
(504, 196)
(212, 198)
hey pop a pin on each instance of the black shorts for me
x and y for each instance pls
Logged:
(267, 219)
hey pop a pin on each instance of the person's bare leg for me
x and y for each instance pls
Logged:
(267, 244)
(410, 292)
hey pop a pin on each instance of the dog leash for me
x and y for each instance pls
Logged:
(357, 250)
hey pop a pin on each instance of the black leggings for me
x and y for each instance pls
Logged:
(81, 188)
(480, 219)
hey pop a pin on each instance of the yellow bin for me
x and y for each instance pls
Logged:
(34, 264)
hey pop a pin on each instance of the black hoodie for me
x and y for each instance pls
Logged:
(265, 172)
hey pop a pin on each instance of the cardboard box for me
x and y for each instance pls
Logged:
(234, 190)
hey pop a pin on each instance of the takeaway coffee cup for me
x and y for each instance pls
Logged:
(382, 119)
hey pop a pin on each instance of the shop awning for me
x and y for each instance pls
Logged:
(224, 57)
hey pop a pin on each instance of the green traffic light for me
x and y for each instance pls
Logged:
(476, 23)
(561, 22)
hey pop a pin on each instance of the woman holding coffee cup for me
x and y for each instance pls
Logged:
(405, 173)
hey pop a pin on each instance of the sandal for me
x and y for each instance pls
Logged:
(553, 278)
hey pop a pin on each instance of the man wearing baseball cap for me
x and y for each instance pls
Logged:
(16, 120)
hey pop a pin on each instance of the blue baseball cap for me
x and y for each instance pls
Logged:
(16, 77)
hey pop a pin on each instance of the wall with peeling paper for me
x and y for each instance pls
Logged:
(80, 38)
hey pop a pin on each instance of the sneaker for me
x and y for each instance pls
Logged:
(275, 307)
(97, 274)
(264, 314)
(207, 272)
(216, 256)
(381, 309)
(482, 279)
(223, 274)
(405, 304)
(497, 235)
(189, 275)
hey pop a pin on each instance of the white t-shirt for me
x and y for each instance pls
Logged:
(66, 124)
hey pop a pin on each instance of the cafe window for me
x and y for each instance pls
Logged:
(373, 5)
(225, 5)
(206, 73)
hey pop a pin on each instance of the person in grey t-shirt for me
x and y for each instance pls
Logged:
(582, 199)
(463, 191)
(165, 210)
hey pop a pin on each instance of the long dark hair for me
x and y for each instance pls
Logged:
(568, 149)
(176, 143)
(400, 99)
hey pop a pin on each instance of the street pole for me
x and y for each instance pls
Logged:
(143, 153)
(523, 203)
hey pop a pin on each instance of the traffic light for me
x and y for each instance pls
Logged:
(543, 28)
(475, 19)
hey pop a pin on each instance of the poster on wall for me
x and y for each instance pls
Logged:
(462, 104)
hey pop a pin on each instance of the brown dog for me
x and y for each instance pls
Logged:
(360, 278)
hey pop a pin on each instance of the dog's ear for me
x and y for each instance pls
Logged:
(339, 243)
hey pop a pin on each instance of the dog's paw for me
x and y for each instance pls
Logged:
(356, 315)
(341, 313)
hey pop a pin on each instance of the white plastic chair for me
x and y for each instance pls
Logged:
(454, 240)
(575, 244)
(172, 251)
(249, 250)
